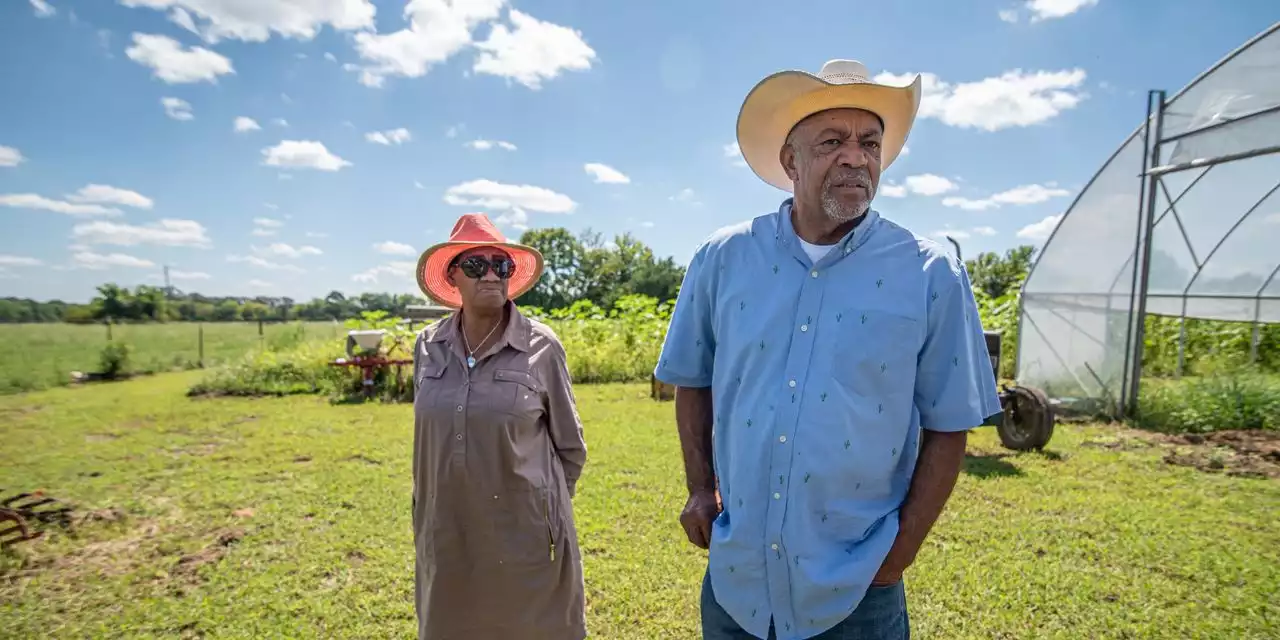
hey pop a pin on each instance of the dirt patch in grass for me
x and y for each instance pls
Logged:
(1253, 453)
(189, 565)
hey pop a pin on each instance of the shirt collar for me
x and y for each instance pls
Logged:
(517, 334)
(788, 240)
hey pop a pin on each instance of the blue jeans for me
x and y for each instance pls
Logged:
(882, 615)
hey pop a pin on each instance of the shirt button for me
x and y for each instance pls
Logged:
(782, 438)
(459, 436)
(804, 327)
(847, 250)
(791, 383)
(776, 496)
(813, 274)
(459, 408)
(775, 545)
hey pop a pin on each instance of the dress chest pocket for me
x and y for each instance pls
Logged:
(516, 392)
(428, 390)
(876, 351)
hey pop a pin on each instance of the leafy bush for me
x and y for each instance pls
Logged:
(621, 345)
(1246, 400)
(301, 369)
(114, 360)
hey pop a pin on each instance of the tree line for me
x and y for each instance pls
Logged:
(582, 267)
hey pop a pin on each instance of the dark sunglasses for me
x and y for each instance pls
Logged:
(477, 266)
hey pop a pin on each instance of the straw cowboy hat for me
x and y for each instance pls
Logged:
(780, 101)
(474, 230)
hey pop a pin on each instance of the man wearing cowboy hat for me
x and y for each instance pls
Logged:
(828, 363)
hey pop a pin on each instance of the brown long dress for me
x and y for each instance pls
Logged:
(498, 450)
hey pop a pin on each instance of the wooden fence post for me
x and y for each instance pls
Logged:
(200, 337)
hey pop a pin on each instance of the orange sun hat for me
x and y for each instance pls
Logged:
(474, 230)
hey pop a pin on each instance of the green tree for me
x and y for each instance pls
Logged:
(996, 275)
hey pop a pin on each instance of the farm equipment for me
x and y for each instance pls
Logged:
(20, 514)
(1026, 418)
(364, 351)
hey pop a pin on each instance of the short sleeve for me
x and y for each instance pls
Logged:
(955, 384)
(689, 348)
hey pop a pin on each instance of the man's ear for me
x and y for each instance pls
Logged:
(787, 156)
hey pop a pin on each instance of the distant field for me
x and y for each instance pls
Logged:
(38, 356)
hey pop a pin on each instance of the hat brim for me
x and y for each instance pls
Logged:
(777, 103)
(433, 263)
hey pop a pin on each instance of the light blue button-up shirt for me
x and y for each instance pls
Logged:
(822, 375)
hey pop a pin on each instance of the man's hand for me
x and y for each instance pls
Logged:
(699, 513)
(888, 575)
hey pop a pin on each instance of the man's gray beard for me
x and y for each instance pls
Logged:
(842, 213)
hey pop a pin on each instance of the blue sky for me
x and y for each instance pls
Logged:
(293, 147)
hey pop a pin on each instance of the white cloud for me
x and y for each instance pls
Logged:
(605, 174)
(285, 176)
(302, 154)
(265, 264)
(254, 21)
(394, 248)
(282, 250)
(316, 234)
(43, 9)
(280, 122)
(10, 157)
(1039, 231)
(260, 284)
(330, 57)
(98, 261)
(244, 124)
(177, 109)
(189, 275)
(928, 184)
(1008, 15)
(38, 202)
(532, 51)
(495, 195)
(686, 195)
(273, 207)
(891, 190)
(395, 270)
(270, 223)
(734, 154)
(1021, 195)
(958, 234)
(1013, 99)
(985, 231)
(485, 145)
(389, 137)
(418, 185)
(452, 132)
(19, 261)
(167, 233)
(437, 30)
(262, 232)
(1050, 9)
(172, 63)
(104, 194)
(646, 224)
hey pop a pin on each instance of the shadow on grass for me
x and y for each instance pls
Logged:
(990, 465)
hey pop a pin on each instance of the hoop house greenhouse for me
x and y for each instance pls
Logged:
(1182, 221)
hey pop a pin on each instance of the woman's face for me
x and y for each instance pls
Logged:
(482, 277)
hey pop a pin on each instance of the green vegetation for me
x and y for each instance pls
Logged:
(288, 517)
(39, 356)
(1199, 405)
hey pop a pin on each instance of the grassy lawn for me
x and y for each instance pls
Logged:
(290, 518)
(39, 356)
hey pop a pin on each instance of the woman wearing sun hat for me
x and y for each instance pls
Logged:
(498, 450)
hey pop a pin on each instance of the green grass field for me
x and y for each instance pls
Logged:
(39, 356)
(289, 517)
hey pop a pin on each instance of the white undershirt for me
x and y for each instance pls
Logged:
(815, 251)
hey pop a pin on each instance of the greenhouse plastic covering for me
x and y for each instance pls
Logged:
(1214, 247)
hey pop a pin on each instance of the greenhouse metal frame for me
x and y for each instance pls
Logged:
(1183, 220)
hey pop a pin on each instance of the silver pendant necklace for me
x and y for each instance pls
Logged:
(471, 354)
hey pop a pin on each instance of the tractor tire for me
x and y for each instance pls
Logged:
(1028, 420)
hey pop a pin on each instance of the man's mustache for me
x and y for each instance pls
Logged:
(854, 178)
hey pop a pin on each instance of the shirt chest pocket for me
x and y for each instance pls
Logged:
(875, 351)
(515, 392)
(428, 390)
